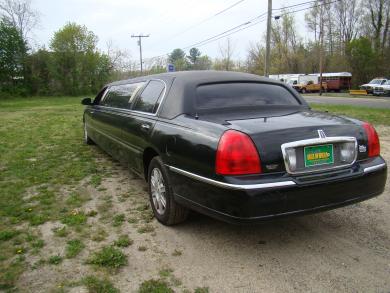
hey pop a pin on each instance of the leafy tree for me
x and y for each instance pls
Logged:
(362, 59)
(40, 67)
(176, 55)
(177, 58)
(78, 67)
(194, 55)
(12, 53)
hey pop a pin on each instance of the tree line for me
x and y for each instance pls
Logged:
(355, 36)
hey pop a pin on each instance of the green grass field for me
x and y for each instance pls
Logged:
(41, 154)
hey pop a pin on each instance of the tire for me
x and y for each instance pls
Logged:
(160, 191)
(303, 91)
(87, 139)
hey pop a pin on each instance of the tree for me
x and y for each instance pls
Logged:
(226, 51)
(78, 67)
(362, 59)
(177, 58)
(194, 55)
(177, 54)
(12, 53)
(20, 14)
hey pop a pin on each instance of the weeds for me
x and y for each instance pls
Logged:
(73, 248)
(118, 220)
(123, 241)
(95, 285)
(155, 286)
(108, 256)
(55, 260)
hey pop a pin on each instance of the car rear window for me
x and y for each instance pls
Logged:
(232, 95)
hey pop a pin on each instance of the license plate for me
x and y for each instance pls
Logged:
(318, 155)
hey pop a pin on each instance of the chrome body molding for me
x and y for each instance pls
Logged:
(374, 168)
(318, 141)
(232, 186)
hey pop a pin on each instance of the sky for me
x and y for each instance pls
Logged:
(171, 23)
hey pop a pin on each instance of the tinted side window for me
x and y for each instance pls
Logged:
(232, 95)
(148, 99)
(121, 96)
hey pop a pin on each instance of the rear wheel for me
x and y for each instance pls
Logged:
(303, 91)
(165, 209)
(87, 139)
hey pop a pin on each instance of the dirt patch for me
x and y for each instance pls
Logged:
(344, 250)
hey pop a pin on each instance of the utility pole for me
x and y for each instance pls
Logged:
(268, 44)
(321, 42)
(140, 46)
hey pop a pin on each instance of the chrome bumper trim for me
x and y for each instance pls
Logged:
(232, 186)
(374, 168)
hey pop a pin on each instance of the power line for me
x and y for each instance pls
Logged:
(243, 26)
(204, 20)
(295, 5)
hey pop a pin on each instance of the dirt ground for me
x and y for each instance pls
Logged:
(344, 250)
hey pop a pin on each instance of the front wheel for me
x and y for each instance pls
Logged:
(303, 91)
(165, 209)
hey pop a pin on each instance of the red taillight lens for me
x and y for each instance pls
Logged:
(374, 148)
(237, 155)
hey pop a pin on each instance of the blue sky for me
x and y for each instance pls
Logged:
(116, 20)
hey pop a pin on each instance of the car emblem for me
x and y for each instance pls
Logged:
(321, 133)
(362, 148)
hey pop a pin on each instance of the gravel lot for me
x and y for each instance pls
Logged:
(344, 250)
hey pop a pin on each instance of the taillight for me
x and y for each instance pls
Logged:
(374, 148)
(237, 155)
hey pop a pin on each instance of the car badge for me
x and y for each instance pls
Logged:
(362, 148)
(321, 133)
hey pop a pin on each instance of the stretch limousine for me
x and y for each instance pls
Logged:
(233, 146)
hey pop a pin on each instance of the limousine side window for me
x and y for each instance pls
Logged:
(121, 96)
(147, 101)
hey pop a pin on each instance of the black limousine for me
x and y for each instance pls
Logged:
(233, 146)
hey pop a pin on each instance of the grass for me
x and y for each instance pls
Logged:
(155, 286)
(123, 241)
(61, 232)
(73, 248)
(372, 115)
(201, 290)
(41, 153)
(109, 257)
(145, 229)
(118, 220)
(95, 285)
(55, 259)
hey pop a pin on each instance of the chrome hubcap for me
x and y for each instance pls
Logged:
(157, 188)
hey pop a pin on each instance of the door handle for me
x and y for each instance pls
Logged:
(145, 126)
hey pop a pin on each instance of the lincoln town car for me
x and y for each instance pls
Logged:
(234, 146)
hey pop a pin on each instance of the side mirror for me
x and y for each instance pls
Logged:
(86, 101)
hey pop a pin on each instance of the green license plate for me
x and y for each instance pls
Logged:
(318, 155)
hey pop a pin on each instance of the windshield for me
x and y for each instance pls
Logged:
(376, 81)
(228, 95)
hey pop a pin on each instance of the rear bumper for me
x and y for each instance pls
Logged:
(294, 196)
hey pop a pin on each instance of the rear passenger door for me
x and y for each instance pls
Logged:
(138, 129)
(110, 114)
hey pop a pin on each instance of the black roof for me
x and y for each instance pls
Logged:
(200, 76)
(181, 87)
